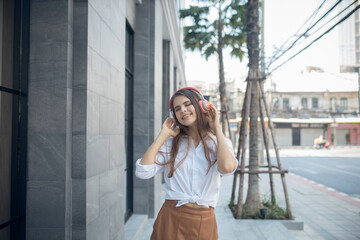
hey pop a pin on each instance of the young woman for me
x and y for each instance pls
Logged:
(193, 153)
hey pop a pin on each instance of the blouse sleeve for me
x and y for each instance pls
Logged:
(148, 171)
(228, 141)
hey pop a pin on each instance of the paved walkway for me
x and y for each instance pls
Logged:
(325, 214)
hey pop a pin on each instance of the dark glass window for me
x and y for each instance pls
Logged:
(14, 26)
(286, 103)
(315, 103)
(175, 79)
(129, 52)
(304, 103)
(343, 104)
(129, 119)
(166, 79)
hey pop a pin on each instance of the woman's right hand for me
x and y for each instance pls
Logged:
(168, 128)
(167, 131)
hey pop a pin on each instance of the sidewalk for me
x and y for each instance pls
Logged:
(325, 214)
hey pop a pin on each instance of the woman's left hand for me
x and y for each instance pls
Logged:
(214, 119)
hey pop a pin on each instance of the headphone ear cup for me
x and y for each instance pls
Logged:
(204, 106)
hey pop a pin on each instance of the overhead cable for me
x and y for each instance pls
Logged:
(343, 19)
(283, 45)
(337, 15)
(293, 44)
(355, 1)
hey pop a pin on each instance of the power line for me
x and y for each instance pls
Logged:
(292, 45)
(355, 1)
(283, 45)
(343, 19)
(342, 11)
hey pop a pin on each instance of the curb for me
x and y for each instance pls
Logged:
(340, 195)
(134, 226)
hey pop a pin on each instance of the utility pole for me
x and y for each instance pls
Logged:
(262, 69)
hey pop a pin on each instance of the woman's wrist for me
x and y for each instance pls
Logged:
(218, 130)
(164, 134)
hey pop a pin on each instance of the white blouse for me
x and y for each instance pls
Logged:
(190, 182)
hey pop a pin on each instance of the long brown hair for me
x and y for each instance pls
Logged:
(203, 128)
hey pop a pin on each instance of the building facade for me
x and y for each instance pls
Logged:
(302, 132)
(84, 89)
(321, 102)
(313, 104)
(349, 39)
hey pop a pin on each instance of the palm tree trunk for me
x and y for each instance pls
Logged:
(221, 71)
(253, 201)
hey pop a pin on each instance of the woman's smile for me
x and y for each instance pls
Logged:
(186, 116)
(184, 110)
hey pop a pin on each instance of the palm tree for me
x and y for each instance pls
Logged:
(253, 201)
(212, 36)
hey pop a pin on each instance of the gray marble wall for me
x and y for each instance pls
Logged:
(48, 203)
(147, 102)
(75, 181)
(76, 148)
(105, 119)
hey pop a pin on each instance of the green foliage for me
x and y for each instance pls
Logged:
(274, 210)
(203, 33)
(232, 203)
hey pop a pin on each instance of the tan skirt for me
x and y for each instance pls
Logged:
(184, 223)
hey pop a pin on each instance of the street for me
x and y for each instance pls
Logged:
(338, 169)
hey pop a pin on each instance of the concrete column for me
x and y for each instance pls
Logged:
(76, 120)
(148, 98)
(48, 203)
(166, 79)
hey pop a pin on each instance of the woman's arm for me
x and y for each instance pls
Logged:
(167, 131)
(225, 158)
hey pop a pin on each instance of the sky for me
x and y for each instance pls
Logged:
(283, 18)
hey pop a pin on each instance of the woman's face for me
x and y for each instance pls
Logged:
(184, 111)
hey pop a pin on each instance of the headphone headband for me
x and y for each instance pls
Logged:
(185, 88)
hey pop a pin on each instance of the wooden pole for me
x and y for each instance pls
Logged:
(273, 200)
(277, 156)
(265, 171)
(232, 199)
(228, 123)
(244, 126)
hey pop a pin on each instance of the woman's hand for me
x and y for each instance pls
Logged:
(168, 128)
(167, 131)
(214, 119)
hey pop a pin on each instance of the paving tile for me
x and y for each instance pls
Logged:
(325, 217)
(342, 235)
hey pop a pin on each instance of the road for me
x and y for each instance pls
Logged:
(335, 168)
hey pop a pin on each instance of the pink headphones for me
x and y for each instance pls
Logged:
(204, 104)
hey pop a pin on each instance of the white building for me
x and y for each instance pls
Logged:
(349, 39)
